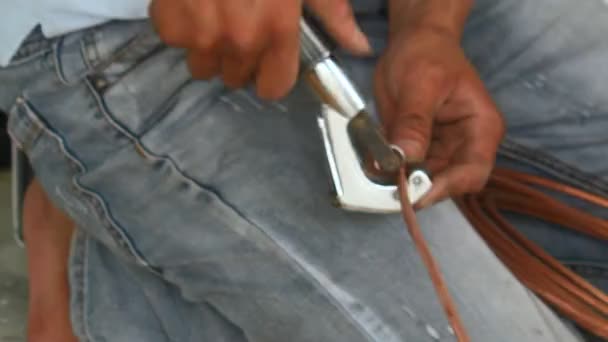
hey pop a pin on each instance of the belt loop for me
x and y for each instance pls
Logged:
(88, 49)
(73, 56)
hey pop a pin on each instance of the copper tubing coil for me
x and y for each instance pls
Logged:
(557, 285)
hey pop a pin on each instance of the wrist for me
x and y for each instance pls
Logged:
(444, 16)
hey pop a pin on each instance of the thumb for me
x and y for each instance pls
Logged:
(412, 125)
(338, 19)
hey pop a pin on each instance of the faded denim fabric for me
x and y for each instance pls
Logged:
(203, 212)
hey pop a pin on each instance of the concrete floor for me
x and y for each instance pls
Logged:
(13, 278)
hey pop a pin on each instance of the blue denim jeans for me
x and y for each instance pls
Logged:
(203, 212)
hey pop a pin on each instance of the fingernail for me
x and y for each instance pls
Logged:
(362, 43)
(413, 150)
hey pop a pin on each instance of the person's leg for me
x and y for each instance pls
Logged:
(47, 233)
(118, 301)
(545, 62)
(222, 198)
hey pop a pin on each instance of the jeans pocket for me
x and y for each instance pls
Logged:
(134, 74)
(141, 96)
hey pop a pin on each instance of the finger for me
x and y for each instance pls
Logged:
(436, 165)
(411, 127)
(339, 21)
(241, 58)
(384, 103)
(279, 64)
(236, 70)
(444, 145)
(243, 42)
(162, 17)
(419, 94)
(455, 181)
(203, 65)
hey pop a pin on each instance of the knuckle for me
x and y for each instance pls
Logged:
(243, 40)
(285, 28)
(418, 123)
(430, 72)
(204, 42)
(414, 128)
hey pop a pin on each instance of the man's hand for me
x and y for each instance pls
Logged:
(436, 108)
(250, 40)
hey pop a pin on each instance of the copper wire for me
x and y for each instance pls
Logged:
(431, 265)
(560, 287)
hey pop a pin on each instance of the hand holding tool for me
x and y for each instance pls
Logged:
(349, 134)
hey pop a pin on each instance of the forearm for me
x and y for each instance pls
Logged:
(448, 16)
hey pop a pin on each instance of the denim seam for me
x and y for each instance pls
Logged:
(89, 47)
(85, 54)
(98, 203)
(24, 60)
(98, 65)
(58, 66)
(167, 159)
(32, 133)
(85, 287)
(583, 268)
(78, 260)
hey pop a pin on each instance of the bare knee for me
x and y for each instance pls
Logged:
(41, 216)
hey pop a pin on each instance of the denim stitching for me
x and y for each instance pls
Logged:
(291, 258)
(78, 259)
(588, 269)
(85, 287)
(89, 43)
(93, 199)
(58, 66)
(85, 55)
(24, 60)
(99, 65)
